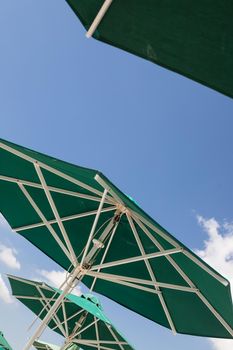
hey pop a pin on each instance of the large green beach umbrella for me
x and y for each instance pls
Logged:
(78, 218)
(4, 345)
(193, 38)
(79, 319)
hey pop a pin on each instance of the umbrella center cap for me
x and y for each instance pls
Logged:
(122, 209)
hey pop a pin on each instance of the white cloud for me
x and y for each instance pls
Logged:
(4, 292)
(56, 279)
(8, 257)
(218, 252)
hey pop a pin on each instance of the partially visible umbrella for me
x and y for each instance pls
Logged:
(79, 319)
(193, 38)
(40, 345)
(77, 217)
(4, 345)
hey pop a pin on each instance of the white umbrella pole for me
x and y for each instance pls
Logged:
(69, 286)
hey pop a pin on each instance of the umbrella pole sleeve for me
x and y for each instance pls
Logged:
(98, 18)
(54, 308)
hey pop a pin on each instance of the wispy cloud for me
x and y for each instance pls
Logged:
(4, 292)
(8, 257)
(56, 279)
(218, 252)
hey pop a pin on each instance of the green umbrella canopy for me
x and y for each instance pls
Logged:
(193, 38)
(81, 220)
(40, 345)
(3, 343)
(80, 319)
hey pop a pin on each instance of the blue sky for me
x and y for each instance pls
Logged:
(161, 138)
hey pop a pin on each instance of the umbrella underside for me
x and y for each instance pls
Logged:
(81, 220)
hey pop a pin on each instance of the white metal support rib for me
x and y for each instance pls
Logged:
(64, 218)
(45, 222)
(56, 214)
(94, 226)
(105, 253)
(115, 337)
(46, 306)
(98, 18)
(97, 334)
(137, 258)
(152, 275)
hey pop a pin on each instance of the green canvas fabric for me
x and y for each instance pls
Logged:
(188, 312)
(30, 293)
(4, 345)
(40, 345)
(193, 38)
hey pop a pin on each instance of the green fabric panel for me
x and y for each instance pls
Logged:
(193, 38)
(4, 345)
(188, 312)
(15, 207)
(210, 289)
(144, 303)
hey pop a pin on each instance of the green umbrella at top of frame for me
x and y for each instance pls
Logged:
(79, 319)
(4, 345)
(77, 217)
(193, 38)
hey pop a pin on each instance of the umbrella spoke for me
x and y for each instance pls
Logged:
(55, 189)
(98, 18)
(152, 275)
(137, 258)
(49, 168)
(64, 218)
(46, 306)
(105, 252)
(89, 343)
(64, 317)
(97, 334)
(56, 214)
(44, 220)
(94, 226)
(115, 337)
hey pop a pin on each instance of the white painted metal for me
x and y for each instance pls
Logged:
(44, 220)
(105, 252)
(69, 286)
(55, 189)
(64, 218)
(49, 168)
(137, 258)
(104, 184)
(98, 18)
(56, 214)
(94, 227)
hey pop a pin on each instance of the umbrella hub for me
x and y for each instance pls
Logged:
(122, 209)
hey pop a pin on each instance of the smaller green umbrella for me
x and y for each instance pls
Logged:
(40, 345)
(79, 319)
(4, 345)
